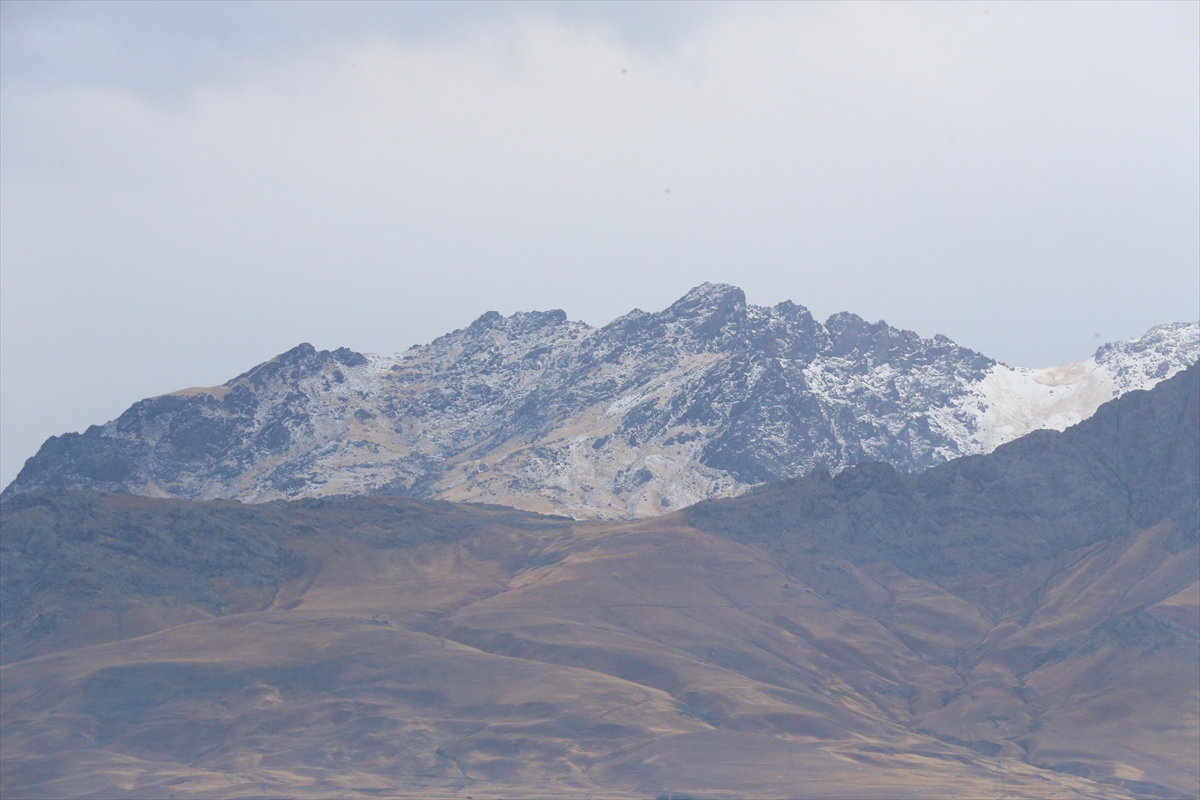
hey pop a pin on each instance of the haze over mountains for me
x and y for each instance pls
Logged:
(1022, 623)
(652, 412)
(703, 549)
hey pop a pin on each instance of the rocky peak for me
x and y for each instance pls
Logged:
(497, 343)
(705, 296)
(1162, 351)
(518, 324)
(486, 321)
(654, 411)
(876, 344)
(707, 309)
(302, 361)
(852, 336)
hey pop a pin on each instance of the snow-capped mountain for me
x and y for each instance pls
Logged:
(652, 412)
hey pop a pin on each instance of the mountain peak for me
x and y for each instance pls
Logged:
(711, 292)
(650, 413)
(518, 323)
(708, 308)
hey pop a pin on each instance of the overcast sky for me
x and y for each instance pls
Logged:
(189, 189)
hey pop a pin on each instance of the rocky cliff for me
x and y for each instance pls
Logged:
(652, 412)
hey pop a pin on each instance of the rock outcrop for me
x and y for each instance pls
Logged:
(652, 412)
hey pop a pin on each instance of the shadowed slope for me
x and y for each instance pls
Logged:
(617, 660)
(1133, 464)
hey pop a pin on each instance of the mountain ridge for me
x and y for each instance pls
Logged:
(1017, 623)
(1036, 496)
(650, 413)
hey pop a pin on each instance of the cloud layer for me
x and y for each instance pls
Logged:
(189, 189)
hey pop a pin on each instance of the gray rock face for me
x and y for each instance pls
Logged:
(1135, 463)
(652, 412)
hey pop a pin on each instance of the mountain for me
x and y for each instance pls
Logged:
(1133, 464)
(1023, 623)
(650, 413)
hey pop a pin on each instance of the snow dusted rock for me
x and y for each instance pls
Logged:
(650, 413)
(1012, 401)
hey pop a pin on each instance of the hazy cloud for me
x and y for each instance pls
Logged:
(189, 188)
(165, 51)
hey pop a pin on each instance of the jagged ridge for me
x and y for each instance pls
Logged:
(654, 411)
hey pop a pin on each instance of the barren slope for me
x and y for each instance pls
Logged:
(614, 660)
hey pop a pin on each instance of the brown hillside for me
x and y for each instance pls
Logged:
(1023, 624)
(504, 654)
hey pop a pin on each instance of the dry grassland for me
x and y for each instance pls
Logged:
(527, 658)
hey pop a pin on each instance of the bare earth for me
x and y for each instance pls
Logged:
(642, 659)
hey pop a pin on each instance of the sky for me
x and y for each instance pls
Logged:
(188, 189)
